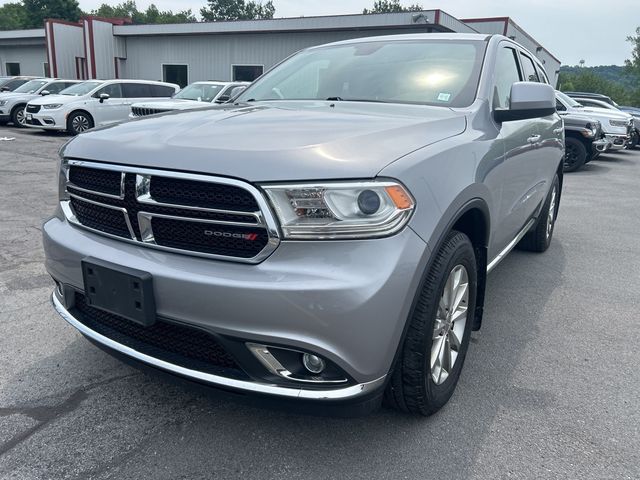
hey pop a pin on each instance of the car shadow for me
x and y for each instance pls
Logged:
(128, 424)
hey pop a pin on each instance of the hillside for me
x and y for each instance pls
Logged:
(611, 73)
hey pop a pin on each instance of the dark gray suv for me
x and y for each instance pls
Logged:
(327, 237)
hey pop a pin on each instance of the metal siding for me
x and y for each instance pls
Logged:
(69, 45)
(490, 27)
(30, 57)
(105, 49)
(210, 57)
(455, 25)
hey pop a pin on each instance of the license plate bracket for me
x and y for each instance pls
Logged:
(119, 290)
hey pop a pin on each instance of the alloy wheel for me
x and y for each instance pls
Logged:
(80, 123)
(20, 116)
(449, 327)
(551, 216)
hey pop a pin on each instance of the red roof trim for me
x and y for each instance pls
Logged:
(114, 21)
(63, 22)
(92, 49)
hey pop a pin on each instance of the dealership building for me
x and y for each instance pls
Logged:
(106, 48)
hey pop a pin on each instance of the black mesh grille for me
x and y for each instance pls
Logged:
(100, 218)
(33, 108)
(202, 194)
(185, 233)
(144, 111)
(104, 181)
(177, 344)
(243, 242)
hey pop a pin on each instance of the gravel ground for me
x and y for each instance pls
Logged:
(550, 389)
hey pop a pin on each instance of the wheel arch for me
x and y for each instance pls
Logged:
(79, 110)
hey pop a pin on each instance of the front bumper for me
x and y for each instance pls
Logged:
(346, 301)
(618, 142)
(602, 145)
(48, 120)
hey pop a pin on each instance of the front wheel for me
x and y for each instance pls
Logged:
(79, 122)
(18, 117)
(539, 237)
(575, 155)
(435, 346)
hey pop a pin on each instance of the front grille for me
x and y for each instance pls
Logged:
(197, 236)
(101, 218)
(33, 108)
(102, 181)
(199, 194)
(146, 111)
(177, 344)
(201, 215)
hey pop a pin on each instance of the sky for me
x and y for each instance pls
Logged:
(571, 30)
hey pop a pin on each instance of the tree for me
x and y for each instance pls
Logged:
(12, 16)
(237, 10)
(633, 65)
(129, 9)
(392, 6)
(37, 11)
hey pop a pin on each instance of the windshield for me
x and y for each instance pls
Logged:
(567, 100)
(200, 92)
(31, 87)
(80, 88)
(429, 72)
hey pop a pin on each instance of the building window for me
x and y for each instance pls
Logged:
(176, 74)
(45, 69)
(247, 73)
(13, 69)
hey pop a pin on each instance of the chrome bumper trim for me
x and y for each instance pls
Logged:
(344, 393)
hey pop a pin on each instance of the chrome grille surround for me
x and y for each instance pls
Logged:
(262, 218)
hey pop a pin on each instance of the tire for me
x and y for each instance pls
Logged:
(635, 139)
(575, 155)
(79, 122)
(413, 386)
(539, 237)
(18, 117)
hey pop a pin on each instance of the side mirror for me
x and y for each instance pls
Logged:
(235, 93)
(44, 93)
(223, 99)
(528, 100)
(103, 97)
(4, 89)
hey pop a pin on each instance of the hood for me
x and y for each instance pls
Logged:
(63, 99)
(13, 96)
(274, 142)
(576, 119)
(601, 111)
(173, 104)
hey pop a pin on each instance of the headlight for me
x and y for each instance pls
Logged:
(619, 123)
(338, 210)
(52, 106)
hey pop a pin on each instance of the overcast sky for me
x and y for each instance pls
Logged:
(593, 30)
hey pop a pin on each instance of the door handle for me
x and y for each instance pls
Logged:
(533, 138)
(558, 130)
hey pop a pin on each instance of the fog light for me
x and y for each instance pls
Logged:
(313, 363)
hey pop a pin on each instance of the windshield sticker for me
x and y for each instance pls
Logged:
(444, 97)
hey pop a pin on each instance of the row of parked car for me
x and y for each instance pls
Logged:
(593, 123)
(75, 105)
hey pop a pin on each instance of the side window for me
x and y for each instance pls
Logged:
(57, 87)
(112, 90)
(136, 90)
(559, 106)
(507, 73)
(161, 91)
(530, 74)
(543, 75)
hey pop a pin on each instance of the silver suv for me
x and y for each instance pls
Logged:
(327, 237)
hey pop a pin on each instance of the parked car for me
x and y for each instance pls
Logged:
(9, 84)
(12, 104)
(617, 126)
(93, 103)
(594, 96)
(584, 141)
(327, 236)
(635, 132)
(190, 97)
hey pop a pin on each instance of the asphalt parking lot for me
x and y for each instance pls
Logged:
(550, 389)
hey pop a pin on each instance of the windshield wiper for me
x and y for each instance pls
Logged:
(335, 99)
